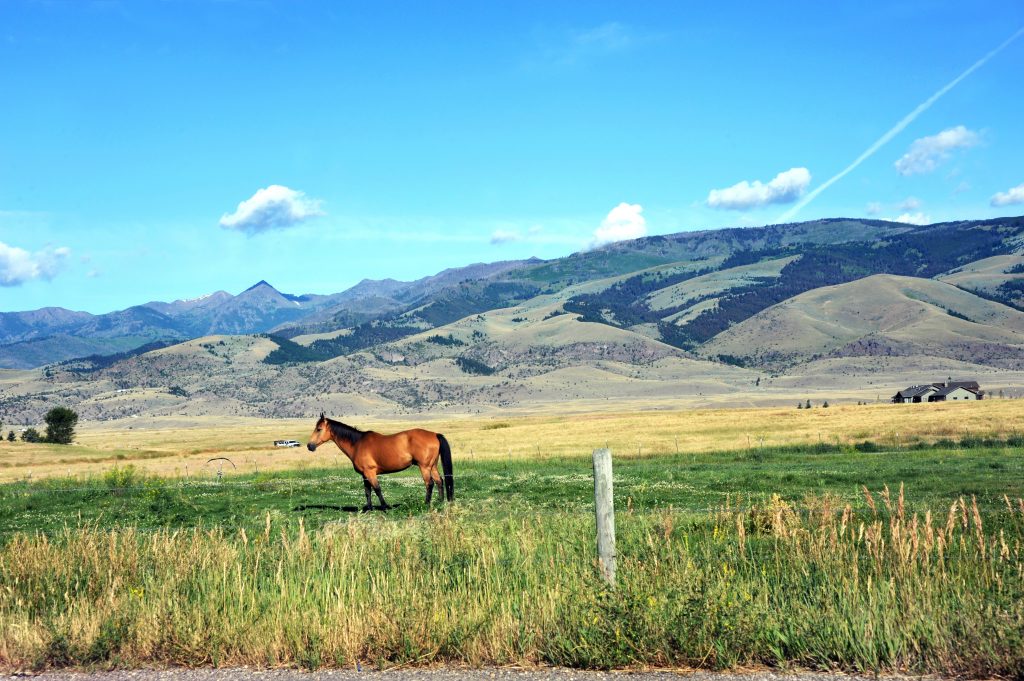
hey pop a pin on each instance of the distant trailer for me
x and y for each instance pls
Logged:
(287, 443)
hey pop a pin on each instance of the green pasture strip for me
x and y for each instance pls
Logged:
(682, 482)
(778, 586)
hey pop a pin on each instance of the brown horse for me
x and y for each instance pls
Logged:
(372, 454)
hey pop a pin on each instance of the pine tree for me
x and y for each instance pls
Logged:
(60, 425)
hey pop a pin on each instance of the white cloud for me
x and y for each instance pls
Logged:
(898, 128)
(1011, 196)
(18, 265)
(910, 203)
(786, 187)
(506, 232)
(622, 222)
(504, 236)
(874, 208)
(274, 207)
(914, 218)
(927, 153)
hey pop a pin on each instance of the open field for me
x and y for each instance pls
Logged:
(811, 584)
(682, 483)
(729, 555)
(168, 446)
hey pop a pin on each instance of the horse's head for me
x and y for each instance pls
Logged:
(321, 433)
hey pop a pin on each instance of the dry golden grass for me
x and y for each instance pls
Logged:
(174, 447)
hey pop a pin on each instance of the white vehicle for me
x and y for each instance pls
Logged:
(286, 443)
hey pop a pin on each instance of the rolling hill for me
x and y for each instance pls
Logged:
(726, 316)
(879, 315)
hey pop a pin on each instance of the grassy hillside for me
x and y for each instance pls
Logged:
(878, 315)
(37, 352)
(1000, 276)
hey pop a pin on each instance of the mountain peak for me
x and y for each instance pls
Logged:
(262, 283)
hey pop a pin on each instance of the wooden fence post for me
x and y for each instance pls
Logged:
(604, 508)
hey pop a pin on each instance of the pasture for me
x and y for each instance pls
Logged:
(181, 448)
(802, 551)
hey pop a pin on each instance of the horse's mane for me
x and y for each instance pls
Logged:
(345, 431)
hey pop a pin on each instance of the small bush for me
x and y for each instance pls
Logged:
(31, 435)
(119, 477)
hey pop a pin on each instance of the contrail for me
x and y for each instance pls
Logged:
(897, 129)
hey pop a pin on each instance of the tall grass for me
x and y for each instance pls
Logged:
(810, 585)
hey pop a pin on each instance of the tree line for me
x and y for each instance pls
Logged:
(60, 428)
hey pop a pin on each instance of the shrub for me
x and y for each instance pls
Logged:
(31, 435)
(119, 477)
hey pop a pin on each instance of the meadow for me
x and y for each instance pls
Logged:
(839, 553)
(182, 447)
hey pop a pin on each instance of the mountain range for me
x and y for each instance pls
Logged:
(38, 337)
(703, 312)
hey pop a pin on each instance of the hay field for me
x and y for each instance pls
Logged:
(176, 446)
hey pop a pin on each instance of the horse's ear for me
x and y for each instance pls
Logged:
(322, 415)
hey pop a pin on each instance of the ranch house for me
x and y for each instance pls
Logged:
(939, 392)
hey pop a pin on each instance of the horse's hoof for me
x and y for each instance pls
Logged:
(367, 509)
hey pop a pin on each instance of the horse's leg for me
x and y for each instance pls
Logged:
(428, 482)
(372, 478)
(369, 499)
(435, 478)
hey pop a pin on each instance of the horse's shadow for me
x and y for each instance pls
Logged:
(344, 509)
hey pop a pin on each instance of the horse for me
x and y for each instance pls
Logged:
(372, 453)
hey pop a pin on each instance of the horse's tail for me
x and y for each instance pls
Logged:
(446, 464)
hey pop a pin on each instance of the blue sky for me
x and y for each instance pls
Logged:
(162, 150)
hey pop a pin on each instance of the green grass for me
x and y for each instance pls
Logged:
(774, 558)
(693, 482)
